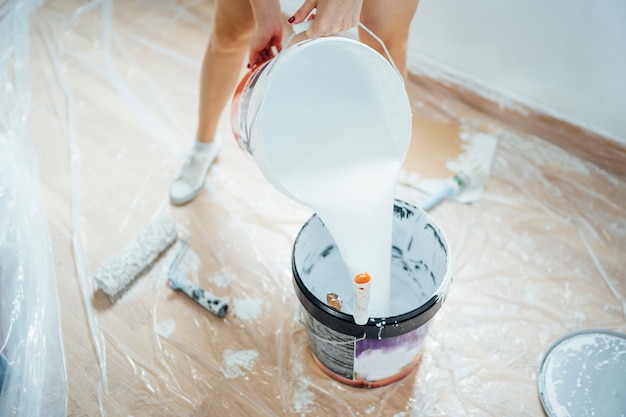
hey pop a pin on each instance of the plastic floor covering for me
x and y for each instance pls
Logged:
(98, 106)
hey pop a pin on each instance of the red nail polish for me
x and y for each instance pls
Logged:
(291, 19)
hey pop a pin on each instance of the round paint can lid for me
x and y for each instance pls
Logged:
(584, 374)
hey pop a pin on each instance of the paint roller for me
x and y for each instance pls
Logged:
(121, 270)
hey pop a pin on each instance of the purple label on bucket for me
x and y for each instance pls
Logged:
(378, 359)
(412, 338)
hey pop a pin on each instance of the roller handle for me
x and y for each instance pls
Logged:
(448, 189)
(201, 296)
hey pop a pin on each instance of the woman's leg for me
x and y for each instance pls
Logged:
(390, 21)
(221, 66)
(223, 59)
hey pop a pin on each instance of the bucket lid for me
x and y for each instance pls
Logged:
(584, 373)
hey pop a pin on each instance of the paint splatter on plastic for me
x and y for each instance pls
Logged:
(302, 397)
(223, 278)
(165, 328)
(248, 309)
(236, 363)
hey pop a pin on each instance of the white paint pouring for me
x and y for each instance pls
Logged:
(328, 122)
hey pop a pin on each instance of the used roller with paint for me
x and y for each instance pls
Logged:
(118, 273)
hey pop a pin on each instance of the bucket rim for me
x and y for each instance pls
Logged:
(376, 327)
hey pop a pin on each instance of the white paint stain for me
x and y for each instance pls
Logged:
(165, 328)
(236, 363)
(190, 262)
(223, 278)
(248, 309)
(302, 397)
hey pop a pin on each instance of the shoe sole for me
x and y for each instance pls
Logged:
(188, 198)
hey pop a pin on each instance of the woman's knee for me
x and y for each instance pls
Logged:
(389, 20)
(233, 25)
(229, 36)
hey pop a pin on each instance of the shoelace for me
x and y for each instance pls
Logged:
(191, 168)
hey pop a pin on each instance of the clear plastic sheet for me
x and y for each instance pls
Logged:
(113, 108)
(33, 364)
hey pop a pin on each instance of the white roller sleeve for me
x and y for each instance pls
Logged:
(122, 268)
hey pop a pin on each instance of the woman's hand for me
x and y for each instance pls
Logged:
(267, 37)
(331, 16)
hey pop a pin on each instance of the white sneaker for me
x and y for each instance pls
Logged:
(192, 174)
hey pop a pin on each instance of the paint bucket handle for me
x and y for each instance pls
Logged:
(306, 25)
(301, 27)
(380, 41)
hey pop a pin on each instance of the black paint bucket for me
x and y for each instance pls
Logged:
(385, 349)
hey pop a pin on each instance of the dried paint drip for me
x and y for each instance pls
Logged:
(361, 286)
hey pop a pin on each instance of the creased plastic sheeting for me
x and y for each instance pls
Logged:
(115, 90)
(30, 329)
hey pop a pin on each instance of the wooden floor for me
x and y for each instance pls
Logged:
(113, 108)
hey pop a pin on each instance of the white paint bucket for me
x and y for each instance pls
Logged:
(385, 349)
(318, 105)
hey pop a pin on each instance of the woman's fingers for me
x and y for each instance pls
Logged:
(303, 12)
(331, 16)
(267, 52)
